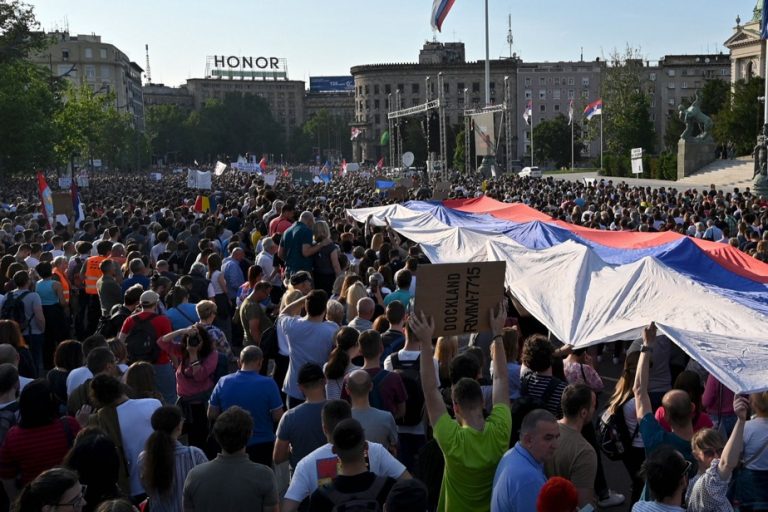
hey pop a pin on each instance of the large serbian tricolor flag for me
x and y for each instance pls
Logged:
(440, 9)
(590, 286)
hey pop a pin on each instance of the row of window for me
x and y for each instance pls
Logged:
(558, 81)
(556, 94)
(417, 87)
(87, 53)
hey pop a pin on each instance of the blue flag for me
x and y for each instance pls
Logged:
(384, 184)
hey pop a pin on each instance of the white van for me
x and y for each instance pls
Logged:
(530, 172)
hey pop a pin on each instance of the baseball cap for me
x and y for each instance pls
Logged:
(149, 298)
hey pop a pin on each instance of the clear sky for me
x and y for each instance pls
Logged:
(327, 37)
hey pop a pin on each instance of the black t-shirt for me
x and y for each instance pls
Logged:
(319, 501)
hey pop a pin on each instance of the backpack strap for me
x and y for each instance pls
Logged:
(379, 377)
(182, 313)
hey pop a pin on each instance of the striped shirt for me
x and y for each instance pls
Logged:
(535, 385)
(186, 457)
(27, 452)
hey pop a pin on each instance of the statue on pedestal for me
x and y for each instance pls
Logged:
(693, 116)
(760, 178)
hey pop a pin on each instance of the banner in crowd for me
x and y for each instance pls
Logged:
(590, 286)
(220, 168)
(484, 134)
(270, 178)
(199, 179)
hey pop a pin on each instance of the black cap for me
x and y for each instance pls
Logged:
(310, 373)
(407, 496)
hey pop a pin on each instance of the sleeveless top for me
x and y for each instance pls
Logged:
(322, 260)
(48, 296)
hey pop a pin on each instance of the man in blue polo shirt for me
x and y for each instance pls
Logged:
(256, 394)
(296, 247)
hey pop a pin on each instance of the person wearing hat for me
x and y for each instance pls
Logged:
(165, 379)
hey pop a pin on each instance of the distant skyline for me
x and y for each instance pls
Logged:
(329, 37)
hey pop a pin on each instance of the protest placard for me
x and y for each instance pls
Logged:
(460, 296)
(62, 203)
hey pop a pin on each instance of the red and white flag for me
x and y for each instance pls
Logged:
(355, 133)
(380, 164)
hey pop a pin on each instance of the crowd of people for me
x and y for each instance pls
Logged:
(264, 355)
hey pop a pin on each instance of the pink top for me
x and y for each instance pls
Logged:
(576, 372)
(717, 396)
(703, 421)
(191, 379)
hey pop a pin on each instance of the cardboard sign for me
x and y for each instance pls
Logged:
(65, 183)
(460, 296)
(62, 203)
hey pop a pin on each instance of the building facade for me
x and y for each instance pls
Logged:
(339, 104)
(86, 59)
(747, 49)
(161, 94)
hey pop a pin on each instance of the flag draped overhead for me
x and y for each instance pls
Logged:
(440, 9)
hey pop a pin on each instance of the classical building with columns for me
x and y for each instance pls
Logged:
(746, 47)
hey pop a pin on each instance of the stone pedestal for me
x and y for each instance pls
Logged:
(760, 186)
(692, 155)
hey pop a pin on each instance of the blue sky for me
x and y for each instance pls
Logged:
(327, 37)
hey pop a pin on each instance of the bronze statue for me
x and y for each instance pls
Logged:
(694, 116)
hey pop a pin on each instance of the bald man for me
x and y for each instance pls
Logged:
(364, 319)
(256, 394)
(379, 425)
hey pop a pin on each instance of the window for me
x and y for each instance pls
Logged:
(387, 89)
(571, 94)
(446, 87)
(670, 72)
(376, 118)
(106, 72)
(415, 88)
(376, 104)
(527, 82)
(557, 107)
(460, 88)
(542, 108)
(90, 72)
(671, 85)
(585, 82)
(475, 86)
(557, 80)
(671, 101)
(401, 88)
(528, 94)
(66, 69)
(571, 81)
(542, 80)
(386, 103)
(88, 53)
(585, 94)
(653, 77)
(415, 101)
(556, 94)
(493, 86)
(461, 101)
(366, 89)
(723, 72)
(103, 53)
(376, 89)
(65, 54)
(542, 94)
(359, 90)
(685, 85)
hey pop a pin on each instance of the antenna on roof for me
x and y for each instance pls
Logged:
(510, 39)
(147, 71)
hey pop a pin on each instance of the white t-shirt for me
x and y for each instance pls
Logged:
(217, 290)
(630, 419)
(135, 427)
(410, 355)
(755, 438)
(76, 377)
(320, 466)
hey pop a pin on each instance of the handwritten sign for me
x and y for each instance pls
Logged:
(460, 296)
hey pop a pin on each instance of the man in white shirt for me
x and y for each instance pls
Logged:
(266, 260)
(319, 467)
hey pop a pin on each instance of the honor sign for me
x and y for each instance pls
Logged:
(241, 67)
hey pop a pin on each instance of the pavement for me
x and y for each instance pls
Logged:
(724, 174)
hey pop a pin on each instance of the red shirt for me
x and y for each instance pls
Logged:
(162, 325)
(279, 225)
(27, 452)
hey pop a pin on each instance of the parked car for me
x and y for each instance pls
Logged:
(530, 172)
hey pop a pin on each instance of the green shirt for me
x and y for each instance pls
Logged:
(471, 458)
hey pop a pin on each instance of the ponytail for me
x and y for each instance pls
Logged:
(345, 339)
(160, 450)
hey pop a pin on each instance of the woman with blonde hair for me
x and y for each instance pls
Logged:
(446, 349)
(325, 262)
(355, 292)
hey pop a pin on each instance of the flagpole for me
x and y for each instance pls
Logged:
(532, 125)
(765, 92)
(487, 61)
(572, 160)
(601, 139)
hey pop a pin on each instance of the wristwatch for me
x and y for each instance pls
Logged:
(646, 348)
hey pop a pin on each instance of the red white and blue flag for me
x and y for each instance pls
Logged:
(46, 198)
(594, 109)
(440, 10)
(528, 112)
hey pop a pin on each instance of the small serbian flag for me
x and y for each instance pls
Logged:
(46, 197)
(594, 109)
(380, 164)
(440, 9)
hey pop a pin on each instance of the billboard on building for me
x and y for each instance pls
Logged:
(331, 84)
(484, 134)
(236, 67)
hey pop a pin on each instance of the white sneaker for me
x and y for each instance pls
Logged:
(613, 499)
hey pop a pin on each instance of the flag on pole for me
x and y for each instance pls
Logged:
(440, 9)
(528, 112)
(594, 109)
(344, 166)
(263, 163)
(46, 197)
(77, 205)
(570, 112)
(764, 21)
(355, 133)
(204, 204)
(380, 164)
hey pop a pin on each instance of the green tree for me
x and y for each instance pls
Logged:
(626, 112)
(742, 120)
(415, 141)
(714, 96)
(169, 132)
(552, 141)
(19, 31)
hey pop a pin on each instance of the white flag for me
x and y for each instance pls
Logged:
(270, 178)
(570, 112)
(220, 168)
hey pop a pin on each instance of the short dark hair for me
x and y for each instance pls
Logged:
(251, 354)
(93, 341)
(233, 428)
(537, 353)
(133, 295)
(310, 375)
(334, 411)
(370, 343)
(575, 398)
(316, 302)
(68, 355)
(468, 394)
(9, 377)
(662, 471)
(463, 366)
(106, 389)
(99, 359)
(349, 440)
(21, 278)
(403, 278)
(395, 312)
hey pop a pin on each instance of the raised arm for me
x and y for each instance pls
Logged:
(499, 355)
(423, 328)
(642, 399)
(732, 451)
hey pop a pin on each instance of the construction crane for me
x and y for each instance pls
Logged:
(147, 71)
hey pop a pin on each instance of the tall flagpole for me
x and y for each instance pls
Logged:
(572, 160)
(532, 125)
(487, 60)
(601, 139)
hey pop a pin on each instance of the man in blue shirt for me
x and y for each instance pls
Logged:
(520, 474)
(233, 274)
(256, 394)
(403, 295)
(296, 247)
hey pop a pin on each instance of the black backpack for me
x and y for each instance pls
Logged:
(613, 435)
(363, 501)
(13, 309)
(414, 405)
(527, 403)
(141, 342)
(109, 326)
(269, 347)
